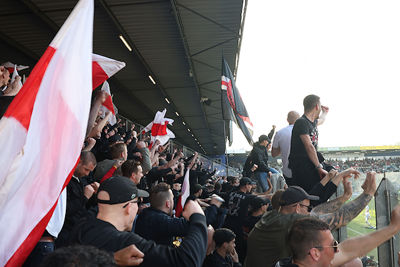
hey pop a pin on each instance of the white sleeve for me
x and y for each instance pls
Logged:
(57, 220)
(275, 142)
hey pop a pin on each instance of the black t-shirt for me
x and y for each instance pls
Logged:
(249, 223)
(298, 153)
(238, 205)
(104, 235)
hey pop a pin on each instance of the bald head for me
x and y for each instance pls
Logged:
(292, 116)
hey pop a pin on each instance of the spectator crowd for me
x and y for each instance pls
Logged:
(378, 165)
(122, 198)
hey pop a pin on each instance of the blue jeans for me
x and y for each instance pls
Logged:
(261, 178)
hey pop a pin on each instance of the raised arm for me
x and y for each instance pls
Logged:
(361, 245)
(94, 110)
(174, 160)
(350, 210)
(322, 117)
(193, 160)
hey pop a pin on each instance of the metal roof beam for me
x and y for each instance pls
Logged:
(27, 52)
(41, 15)
(208, 19)
(137, 3)
(213, 46)
(120, 28)
(187, 52)
(53, 26)
(136, 101)
(240, 39)
(213, 81)
(205, 64)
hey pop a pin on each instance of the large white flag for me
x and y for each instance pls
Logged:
(41, 135)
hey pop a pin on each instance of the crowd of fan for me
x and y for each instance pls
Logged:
(365, 165)
(122, 196)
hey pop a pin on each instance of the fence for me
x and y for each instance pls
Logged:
(386, 198)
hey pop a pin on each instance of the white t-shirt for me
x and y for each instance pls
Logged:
(282, 140)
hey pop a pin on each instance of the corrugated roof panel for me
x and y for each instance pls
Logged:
(153, 28)
(24, 30)
(11, 7)
(155, 34)
(46, 5)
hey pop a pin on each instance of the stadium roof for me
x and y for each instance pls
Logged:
(179, 43)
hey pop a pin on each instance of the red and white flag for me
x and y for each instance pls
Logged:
(103, 68)
(159, 129)
(184, 195)
(41, 135)
(108, 105)
(11, 67)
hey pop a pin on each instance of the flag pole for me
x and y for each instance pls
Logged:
(227, 164)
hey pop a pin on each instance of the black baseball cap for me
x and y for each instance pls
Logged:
(245, 181)
(121, 190)
(257, 202)
(263, 137)
(295, 194)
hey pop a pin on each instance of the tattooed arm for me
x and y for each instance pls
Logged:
(334, 205)
(350, 210)
(346, 213)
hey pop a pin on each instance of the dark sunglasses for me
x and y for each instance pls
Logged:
(335, 246)
(309, 208)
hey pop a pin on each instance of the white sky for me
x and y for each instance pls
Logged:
(347, 52)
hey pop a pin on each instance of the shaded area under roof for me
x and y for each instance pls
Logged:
(179, 43)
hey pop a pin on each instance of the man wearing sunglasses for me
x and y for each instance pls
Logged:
(312, 243)
(267, 243)
(111, 230)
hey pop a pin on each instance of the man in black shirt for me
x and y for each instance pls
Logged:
(78, 195)
(304, 160)
(156, 222)
(238, 205)
(110, 230)
(259, 157)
